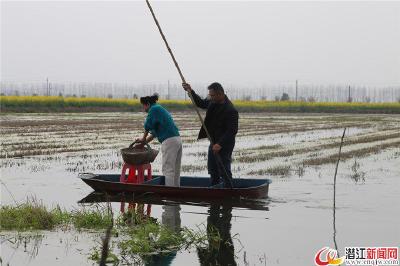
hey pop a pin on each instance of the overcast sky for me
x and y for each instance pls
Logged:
(231, 42)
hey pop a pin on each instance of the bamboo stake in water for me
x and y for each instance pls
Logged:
(334, 192)
(107, 237)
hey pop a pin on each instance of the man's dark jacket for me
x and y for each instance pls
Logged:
(221, 121)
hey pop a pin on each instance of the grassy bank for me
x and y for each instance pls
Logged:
(136, 237)
(72, 104)
(33, 215)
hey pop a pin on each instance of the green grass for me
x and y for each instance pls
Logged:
(74, 104)
(31, 216)
(91, 219)
(151, 237)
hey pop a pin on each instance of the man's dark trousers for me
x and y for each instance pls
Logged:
(214, 169)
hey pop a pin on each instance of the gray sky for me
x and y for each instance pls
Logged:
(249, 43)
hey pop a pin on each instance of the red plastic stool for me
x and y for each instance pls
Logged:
(136, 173)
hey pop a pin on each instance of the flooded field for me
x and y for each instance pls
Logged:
(42, 155)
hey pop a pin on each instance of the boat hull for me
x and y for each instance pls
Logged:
(190, 187)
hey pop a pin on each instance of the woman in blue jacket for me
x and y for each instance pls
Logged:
(159, 124)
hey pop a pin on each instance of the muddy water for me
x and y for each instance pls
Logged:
(297, 221)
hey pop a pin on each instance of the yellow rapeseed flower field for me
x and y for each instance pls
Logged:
(55, 103)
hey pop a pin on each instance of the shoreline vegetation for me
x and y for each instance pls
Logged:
(136, 236)
(34, 104)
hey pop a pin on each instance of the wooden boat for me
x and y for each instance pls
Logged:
(190, 187)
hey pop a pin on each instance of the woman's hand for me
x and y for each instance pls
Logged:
(141, 140)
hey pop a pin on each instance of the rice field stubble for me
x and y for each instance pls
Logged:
(266, 144)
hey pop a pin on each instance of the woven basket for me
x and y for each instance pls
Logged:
(135, 155)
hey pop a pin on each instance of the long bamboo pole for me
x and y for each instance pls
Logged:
(217, 156)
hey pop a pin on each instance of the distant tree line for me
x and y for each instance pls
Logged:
(306, 92)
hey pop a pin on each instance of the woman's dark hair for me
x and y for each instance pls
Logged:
(149, 99)
(216, 87)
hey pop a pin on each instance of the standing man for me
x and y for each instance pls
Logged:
(222, 121)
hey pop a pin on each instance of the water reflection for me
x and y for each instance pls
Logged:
(170, 218)
(334, 228)
(140, 210)
(251, 204)
(30, 243)
(217, 248)
(220, 249)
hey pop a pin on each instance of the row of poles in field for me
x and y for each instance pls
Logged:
(296, 91)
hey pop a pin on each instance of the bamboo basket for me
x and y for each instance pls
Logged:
(138, 155)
